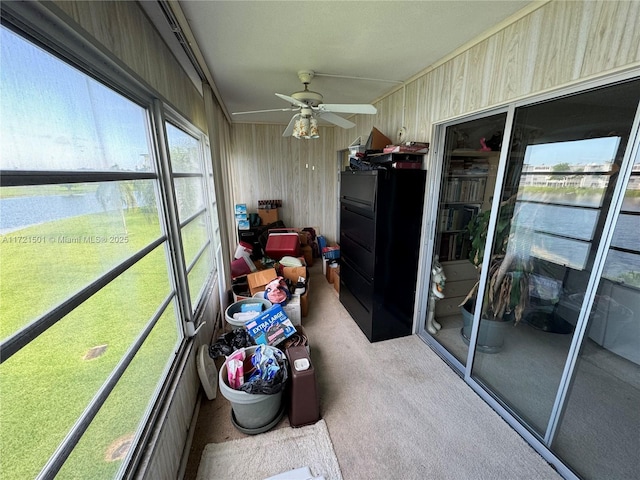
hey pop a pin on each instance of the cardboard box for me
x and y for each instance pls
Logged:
(268, 215)
(270, 327)
(377, 141)
(258, 280)
(336, 279)
(331, 270)
(241, 208)
(292, 273)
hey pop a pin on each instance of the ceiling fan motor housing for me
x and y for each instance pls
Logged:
(307, 96)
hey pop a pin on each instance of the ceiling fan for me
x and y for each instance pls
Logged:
(310, 107)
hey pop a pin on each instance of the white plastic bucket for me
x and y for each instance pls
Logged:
(236, 307)
(252, 411)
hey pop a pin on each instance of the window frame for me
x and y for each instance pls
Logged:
(38, 25)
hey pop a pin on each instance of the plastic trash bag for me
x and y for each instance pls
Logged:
(269, 374)
(230, 342)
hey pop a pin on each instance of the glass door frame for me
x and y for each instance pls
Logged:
(430, 214)
(429, 227)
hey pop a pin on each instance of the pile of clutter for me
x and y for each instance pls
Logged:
(263, 372)
(379, 153)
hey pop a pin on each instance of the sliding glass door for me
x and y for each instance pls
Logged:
(553, 334)
(598, 430)
(469, 166)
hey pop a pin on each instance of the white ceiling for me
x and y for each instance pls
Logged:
(254, 49)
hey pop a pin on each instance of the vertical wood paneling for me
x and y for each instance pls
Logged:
(423, 107)
(266, 165)
(458, 81)
(614, 26)
(123, 29)
(555, 55)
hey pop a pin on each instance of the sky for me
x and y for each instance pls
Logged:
(54, 117)
(592, 150)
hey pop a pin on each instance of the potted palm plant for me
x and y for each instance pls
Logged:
(508, 279)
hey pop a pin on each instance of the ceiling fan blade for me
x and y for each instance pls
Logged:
(348, 108)
(265, 111)
(336, 119)
(289, 130)
(291, 100)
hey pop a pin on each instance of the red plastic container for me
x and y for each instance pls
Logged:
(281, 244)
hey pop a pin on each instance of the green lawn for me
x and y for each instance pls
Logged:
(47, 385)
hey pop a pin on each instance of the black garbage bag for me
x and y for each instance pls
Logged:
(266, 387)
(230, 342)
(270, 372)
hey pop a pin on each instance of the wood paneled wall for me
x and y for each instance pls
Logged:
(558, 44)
(123, 29)
(302, 173)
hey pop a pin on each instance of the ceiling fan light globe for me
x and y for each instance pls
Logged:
(304, 127)
(313, 128)
(297, 128)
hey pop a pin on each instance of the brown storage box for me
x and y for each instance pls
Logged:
(259, 280)
(331, 270)
(292, 273)
(336, 279)
(268, 215)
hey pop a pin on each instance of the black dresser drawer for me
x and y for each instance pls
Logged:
(359, 188)
(357, 227)
(361, 287)
(362, 316)
(361, 259)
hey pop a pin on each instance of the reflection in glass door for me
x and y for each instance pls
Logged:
(604, 396)
(565, 157)
(471, 154)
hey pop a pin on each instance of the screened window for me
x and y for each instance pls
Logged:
(194, 208)
(89, 291)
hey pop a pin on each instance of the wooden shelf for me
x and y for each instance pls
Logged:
(474, 153)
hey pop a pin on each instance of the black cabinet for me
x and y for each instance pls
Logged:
(380, 226)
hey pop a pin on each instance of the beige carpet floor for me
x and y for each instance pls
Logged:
(393, 409)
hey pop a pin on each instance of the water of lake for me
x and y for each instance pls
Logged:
(21, 212)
